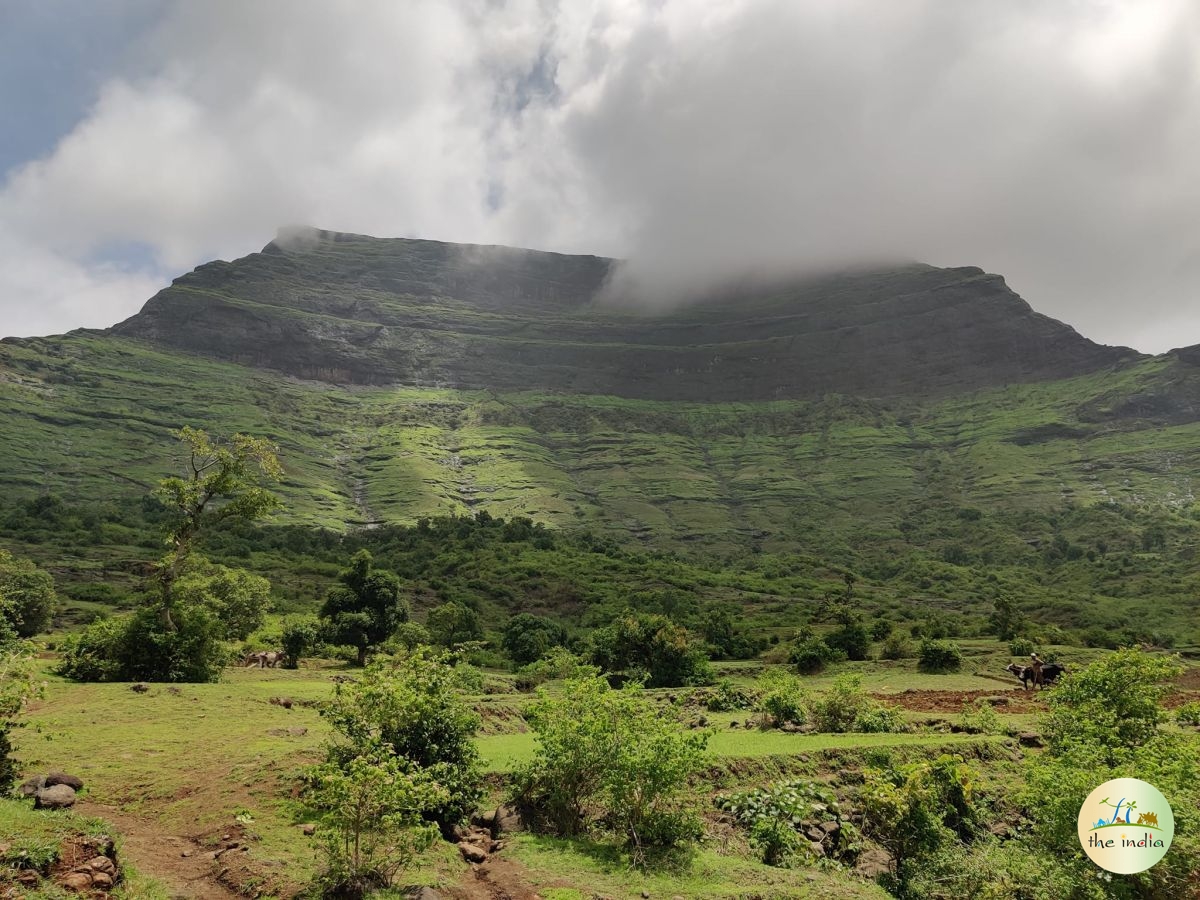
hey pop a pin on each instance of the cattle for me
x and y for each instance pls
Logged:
(1051, 672)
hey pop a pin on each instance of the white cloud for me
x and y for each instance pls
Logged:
(1053, 143)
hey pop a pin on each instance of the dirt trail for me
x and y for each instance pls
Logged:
(496, 879)
(157, 854)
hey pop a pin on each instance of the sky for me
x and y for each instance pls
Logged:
(1057, 144)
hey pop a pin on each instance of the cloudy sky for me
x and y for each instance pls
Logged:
(1055, 143)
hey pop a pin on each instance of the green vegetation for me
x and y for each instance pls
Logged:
(27, 598)
(364, 609)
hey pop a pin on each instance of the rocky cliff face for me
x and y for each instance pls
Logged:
(354, 309)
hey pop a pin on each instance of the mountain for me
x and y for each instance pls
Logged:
(349, 309)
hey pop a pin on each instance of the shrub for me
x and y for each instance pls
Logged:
(371, 816)
(528, 638)
(560, 663)
(778, 816)
(847, 707)
(939, 656)
(604, 752)
(16, 688)
(410, 706)
(1188, 714)
(811, 654)
(896, 646)
(727, 698)
(27, 598)
(637, 643)
(238, 599)
(782, 697)
(850, 639)
(299, 637)
(980, 717)
(140, 647)
(1020, 647)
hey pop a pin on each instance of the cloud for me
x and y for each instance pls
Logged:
(1053, 143)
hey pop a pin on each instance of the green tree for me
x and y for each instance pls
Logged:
(27, 598)
(221, 483)
(851, 638)
(651, 646)
(528, 638)
(453, 624)
(298, 638)
(16, 689)
(238, 599)
(1006, 621)
(364, 609)
(411, 706)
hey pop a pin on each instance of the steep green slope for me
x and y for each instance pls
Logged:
(359, 310)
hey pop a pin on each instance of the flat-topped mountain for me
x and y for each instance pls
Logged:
(351, 309)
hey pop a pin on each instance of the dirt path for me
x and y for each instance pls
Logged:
(158, 855)
(496, 879)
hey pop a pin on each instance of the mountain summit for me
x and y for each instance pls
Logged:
(352, 309)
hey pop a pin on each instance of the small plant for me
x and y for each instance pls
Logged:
(786, 818)
(1189, 714)
(896, 646)
(847, 707)
(939, 656)
(727, 698)
(980, 717)
(36, 853)
(811, 654)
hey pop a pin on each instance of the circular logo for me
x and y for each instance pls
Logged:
(1126, 825)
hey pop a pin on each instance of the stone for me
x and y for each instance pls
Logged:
(817, 848)
(60, 796)
(101, 864)
(308, 829)
(505, 819)
(873, 862)
(1030, 739)
(30, 786)
(427, 893)
(830, 827)
(472, 853)
(645, 895)
(71, 781)
(76, 881)
(101, 880)
(815, 835)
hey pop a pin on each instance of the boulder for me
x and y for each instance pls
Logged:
(308, 829)
(100, 864)
(427, 893)
(830, 827)
(76, 881)
(505, 819)
(71, 781)
(140, 688)
(59, 796)
(101, 880)
(873, 862)
(817, 848)
(471, 853)
(1029, 739)
(30, 786)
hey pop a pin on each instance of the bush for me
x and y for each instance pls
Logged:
(1020, 647)
(528, 638)
(411, 707)
(850, 639)
(782, 697)
(611, 754)
(299, 637)
(847, 708)
(27, 598)
(238, 599)
(652, 644)
(1189, 714)
(139, 647)
(896, 646)
(939, 656)
(727, 698)
(372, 826)
(778, 816)
(16, 688)
(980, 717)
(559, 664)
(810, 655)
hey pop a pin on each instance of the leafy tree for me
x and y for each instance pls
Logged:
(528, 638)
(365, 608)
(238, 599)
(1112, 704)
(221, 483)
(453, 624)
(610, 753)
(651, 646)
(299, 636)
(27, 598)
(810, 654)
(851, 638)
(410, 706)
(373, 824)
(1006, 620)
(16, 689)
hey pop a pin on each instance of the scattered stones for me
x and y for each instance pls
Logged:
(59, 796)
(472, 853)
(71, 781)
